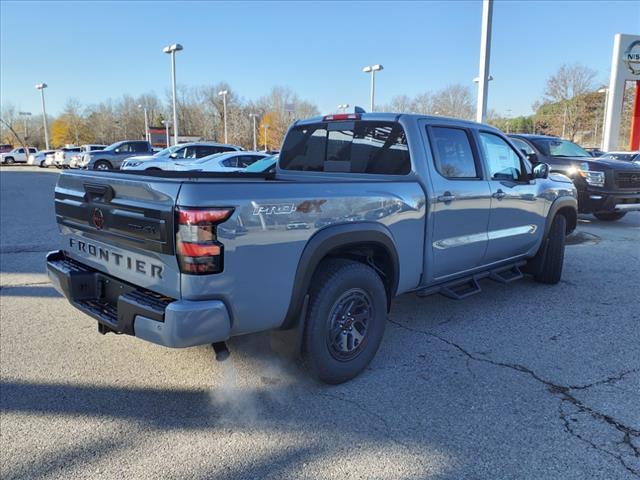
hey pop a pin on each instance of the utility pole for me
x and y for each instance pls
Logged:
(41, 87)
(171, 50)
(255, 145)
(485, 57)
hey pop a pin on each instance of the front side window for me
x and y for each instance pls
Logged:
(555, 147)
(139, 147)
(452, 153)
(349, 147)
(522, 145)
(502, 160)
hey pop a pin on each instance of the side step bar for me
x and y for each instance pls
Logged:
(462, 288)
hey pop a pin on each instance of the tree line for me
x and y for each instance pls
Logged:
(572, 107)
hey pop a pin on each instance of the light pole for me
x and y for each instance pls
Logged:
(26, 130)
(604, 90)
(343, 107)
(372, 69)
(265, 126)
(166, 124)
(41, 87)
(253, 116)
(147, 135)
(223, 93)
(171, 50)
(485, 56)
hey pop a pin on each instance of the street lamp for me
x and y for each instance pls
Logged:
(604, 90)
(171, 50)
(485, 56)
(223, 93)
(343, 107)
(372, 69)
(26, 131)
(265, 126)
(253, 116)
(147, 135)
(41, 87)
(167, 124)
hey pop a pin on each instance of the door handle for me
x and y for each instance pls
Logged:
(447, 197)
(499, 195)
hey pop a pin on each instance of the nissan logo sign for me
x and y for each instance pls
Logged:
(631, 57)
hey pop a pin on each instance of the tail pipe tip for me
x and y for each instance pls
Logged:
(221, 350)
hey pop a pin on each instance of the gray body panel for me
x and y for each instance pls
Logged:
(274, 220)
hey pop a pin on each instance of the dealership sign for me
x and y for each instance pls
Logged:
(631, 57)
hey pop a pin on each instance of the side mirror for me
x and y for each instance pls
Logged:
(533, 158)
(117, 150)
(541, 170)
(173, 155)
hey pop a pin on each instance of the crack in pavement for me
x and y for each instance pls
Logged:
(387, 428)
(564, 391)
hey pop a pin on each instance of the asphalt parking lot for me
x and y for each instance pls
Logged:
(524, 381)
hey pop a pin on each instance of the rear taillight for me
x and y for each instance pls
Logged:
(197, 246)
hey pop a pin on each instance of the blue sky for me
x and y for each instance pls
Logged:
(95, 50)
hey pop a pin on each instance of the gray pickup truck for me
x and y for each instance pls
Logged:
(362, 207)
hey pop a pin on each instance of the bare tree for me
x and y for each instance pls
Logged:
(454, 101)
(568, 87)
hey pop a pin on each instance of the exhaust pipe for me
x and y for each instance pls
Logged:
(221, 350)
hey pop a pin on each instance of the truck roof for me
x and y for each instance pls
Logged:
(392, 117)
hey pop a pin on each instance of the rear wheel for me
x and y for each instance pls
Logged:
(102, 165)
(609, 216)
(346, 320)
(553, 255)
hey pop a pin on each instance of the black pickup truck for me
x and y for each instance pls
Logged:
(606, 188)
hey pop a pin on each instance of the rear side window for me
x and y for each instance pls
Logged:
(349, 147)
(452, 153)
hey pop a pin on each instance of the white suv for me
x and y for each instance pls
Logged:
(17, 155)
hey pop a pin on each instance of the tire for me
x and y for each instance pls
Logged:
(43, 164)
(339, 288)
(9, 160)
(102, 165)
(609, 216)
(551, 265)
(153, 169)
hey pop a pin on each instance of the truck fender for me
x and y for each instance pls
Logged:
(329, 239)
(566, 204)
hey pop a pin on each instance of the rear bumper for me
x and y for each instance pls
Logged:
(591, 200)
(124, 308)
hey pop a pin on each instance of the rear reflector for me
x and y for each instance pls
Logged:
(198, 249)
(341, 116)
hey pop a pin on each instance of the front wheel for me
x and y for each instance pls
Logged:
(553, 256)
(102, 165)
(346, 320)
(609, 216)
(9, 160)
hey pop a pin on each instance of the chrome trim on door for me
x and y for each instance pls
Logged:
(481, 237)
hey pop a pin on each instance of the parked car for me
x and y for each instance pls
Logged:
(62, 156)
(145, 255)
(595, 152)
(38, 158)
(177, 153)
(606, 188)
(17, 155)
(222, 162)
(76, 159)
(49, 159)
(111, 158)
(5, 147)
(264, 165)
(624, 156)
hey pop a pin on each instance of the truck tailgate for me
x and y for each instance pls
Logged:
(121, 225)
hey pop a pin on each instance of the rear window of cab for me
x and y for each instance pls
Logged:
(347, 147)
